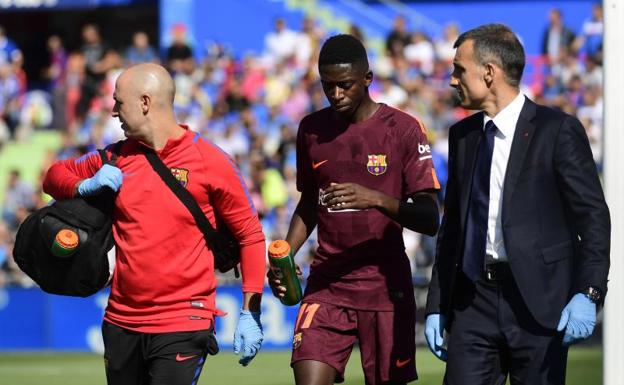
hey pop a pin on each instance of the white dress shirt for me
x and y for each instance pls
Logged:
(505, 121)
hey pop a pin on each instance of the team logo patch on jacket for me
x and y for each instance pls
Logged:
(181, 174)
(376, 164)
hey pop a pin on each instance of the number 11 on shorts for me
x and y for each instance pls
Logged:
(309, 309)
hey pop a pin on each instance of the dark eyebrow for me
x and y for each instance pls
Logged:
(347, 80)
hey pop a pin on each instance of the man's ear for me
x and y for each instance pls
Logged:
(368, 78)
(146, 103)
(490, 72)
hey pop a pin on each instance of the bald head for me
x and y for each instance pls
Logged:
(152, 80)
(144, 104)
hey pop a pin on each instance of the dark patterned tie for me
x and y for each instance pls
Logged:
(477, 219)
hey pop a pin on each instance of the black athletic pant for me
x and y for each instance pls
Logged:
(133, 358)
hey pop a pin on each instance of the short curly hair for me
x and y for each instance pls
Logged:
(343, 49)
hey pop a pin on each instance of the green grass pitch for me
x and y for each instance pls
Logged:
(268, 368)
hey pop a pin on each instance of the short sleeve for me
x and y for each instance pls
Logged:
(418, 171)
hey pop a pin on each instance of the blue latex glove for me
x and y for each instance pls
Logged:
(578, 319)
(107, 176)
(248, 336)
(434, 333)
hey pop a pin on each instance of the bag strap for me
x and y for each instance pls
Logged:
(113, 159)
(185, 196)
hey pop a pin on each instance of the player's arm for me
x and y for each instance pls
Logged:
(420, 215)
(80, 176)
(303, 221)
(301, 226)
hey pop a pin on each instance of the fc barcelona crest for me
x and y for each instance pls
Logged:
(181, 174)
(376, 164)
(297, 340)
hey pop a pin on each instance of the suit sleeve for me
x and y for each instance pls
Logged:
(584, 201)
(61, 178)
(232, 203)
(438, 296)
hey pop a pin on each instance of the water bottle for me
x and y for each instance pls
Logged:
(65, 243)
(283, 267)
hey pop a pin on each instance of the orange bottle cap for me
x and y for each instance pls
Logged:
(67, 239)
(279, 248)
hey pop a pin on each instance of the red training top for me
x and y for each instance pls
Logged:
(164, 276)
(360, 262)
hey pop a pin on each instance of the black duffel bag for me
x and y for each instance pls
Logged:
(84, 271)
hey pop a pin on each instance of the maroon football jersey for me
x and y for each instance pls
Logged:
(361, 261)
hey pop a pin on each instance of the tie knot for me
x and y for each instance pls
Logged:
(490, 126)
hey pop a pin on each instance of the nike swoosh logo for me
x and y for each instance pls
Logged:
(319, 164)
(400, 364)
(183, 358)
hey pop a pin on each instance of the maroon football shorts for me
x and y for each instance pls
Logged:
(327, 333)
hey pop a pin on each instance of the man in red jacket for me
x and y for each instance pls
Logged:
(158, 325)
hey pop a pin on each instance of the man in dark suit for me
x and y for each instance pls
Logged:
(556, 36)
(523, 250)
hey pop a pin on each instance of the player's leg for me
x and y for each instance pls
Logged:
(323, 339)
(388, 345)
(123, 356)
(309, 372)
(178, 358)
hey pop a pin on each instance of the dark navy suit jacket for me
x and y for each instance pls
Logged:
(556, 225)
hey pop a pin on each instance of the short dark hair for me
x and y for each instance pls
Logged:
(343, 49)
(498, 44)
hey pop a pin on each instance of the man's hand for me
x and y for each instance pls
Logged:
(107, 176)
(578, 319)
(434, 329)
(275, 284)
(248, 336)
(343, 196)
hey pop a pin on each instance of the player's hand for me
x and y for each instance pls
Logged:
(578, 319)
(248, 336)
(342, 196)
(275, 284)
(107, 176)
(434, 329)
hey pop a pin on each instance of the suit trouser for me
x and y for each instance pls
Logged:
(494, 335)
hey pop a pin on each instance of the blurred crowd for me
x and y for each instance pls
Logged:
(250, 105)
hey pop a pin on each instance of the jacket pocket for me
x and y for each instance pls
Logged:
(557, 252)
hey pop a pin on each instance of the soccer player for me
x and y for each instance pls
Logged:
(358, 162)
(158, 325)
